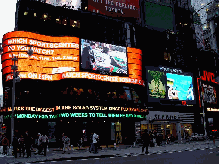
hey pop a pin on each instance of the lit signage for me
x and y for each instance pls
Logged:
(208, 92)
(76, 115)
(170, 84)
(70, 4)
(213, 109)
(90, 108)
(208, 76)
(57, 58)
(170, 70)
(115, 8)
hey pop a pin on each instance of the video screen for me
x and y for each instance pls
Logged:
(103, 58)
(156, 84)
(179, 87)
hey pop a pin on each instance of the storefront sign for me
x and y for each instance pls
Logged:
(75, 115)
(213, 109)
(165, 117)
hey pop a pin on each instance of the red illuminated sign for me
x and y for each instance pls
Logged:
(183, 102)
(209, 76)
(57, 58)
(115, 8)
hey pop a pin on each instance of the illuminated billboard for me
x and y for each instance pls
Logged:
(103, 58)
(72, 4)
(169, 84)
(159, 16)
(56, 58)
(115, 8)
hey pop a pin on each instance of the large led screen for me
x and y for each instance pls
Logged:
(159, 16)
(168, 84)
(103, 58)
(156, 84)
(179, 87)
(56, 58)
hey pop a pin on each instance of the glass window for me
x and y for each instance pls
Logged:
(25, 13)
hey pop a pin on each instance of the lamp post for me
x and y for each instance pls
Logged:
(16, 78)
(203, 105)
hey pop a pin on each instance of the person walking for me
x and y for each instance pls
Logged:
(44, 143)
(66, 142)
(146, 141)
(39, 143)
(95, 137)
(5, 144)
(21, 145)
(27, 142)
(15, 145)
(91, 142)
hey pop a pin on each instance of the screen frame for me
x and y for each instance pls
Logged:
(98, 72)
(166, 100)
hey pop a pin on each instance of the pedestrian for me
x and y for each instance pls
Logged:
(66, 143)
(44, 143)
(81, 142)
(27, 142)
(91, 142)
(146, 141)
(214, 139)
(15, 145)
(21, 145)
(95, 137)
(39, 143)
(5, 144)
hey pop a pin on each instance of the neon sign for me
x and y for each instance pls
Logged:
(56, 58)
(76, 115)
(72, 108)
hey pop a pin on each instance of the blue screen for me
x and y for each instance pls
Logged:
(180, 87)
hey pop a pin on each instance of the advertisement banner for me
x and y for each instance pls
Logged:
(170, 84)
(210, 121)
(56, 58)
(71, 4)
(115, 8)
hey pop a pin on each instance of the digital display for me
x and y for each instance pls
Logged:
(73, 108)
(71, 4)
(169, 84)
(115, 8)
(56, 58)
(75, 115)
(159, 16)
(179, 87)
(156, 84)
(209, 94)
(103, 58)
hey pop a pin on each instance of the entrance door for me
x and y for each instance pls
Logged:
(118, 132)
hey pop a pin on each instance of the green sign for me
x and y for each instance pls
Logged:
(75, 115)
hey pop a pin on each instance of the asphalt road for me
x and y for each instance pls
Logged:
(186, 157)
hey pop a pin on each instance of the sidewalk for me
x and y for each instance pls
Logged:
(122, 150)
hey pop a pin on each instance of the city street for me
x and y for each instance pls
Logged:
(196, 151)
(188, 157)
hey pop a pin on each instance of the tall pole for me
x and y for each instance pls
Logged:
(203, 105)
(13, 102)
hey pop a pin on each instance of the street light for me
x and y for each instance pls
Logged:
(15, 79)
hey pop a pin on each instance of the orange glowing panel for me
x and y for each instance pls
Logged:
(55, 58)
